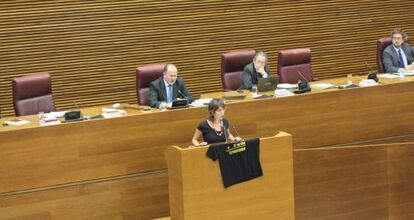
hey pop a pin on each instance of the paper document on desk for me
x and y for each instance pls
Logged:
(388, 75)
(110, 112)
(367, 82)
(48, 120)
(17, 122)
(411, 73)
(256, 95)
(323, 86)
(287, 86)
(283, 93)
(56, 114)
(200, 102)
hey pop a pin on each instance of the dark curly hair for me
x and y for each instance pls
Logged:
(213, 106)
(400, 31)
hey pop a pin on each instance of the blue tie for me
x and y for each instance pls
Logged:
(400, 59)
(170, 94)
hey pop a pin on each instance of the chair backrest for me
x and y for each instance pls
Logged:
(293, 60)
(32, 94)
(382, 43)
(232, 65)
(144, 76)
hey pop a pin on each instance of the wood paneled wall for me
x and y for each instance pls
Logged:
(354, 182)
(92, 48)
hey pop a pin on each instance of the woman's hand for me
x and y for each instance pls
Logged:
(238, 139)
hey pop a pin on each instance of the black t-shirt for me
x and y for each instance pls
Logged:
(238, 162)
(210, 135)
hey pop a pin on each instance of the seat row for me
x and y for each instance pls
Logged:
(33, 93)
(232, 65)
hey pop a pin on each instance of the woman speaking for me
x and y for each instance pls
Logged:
(215, 129)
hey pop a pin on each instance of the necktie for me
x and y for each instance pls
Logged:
(400, 58)
(170, 93)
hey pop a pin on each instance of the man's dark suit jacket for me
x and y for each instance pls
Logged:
(250, 76)
(158, 94)
(390, 57)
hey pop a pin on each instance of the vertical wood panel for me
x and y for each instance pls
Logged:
(341, 183)
(126, 198)
(401, 178)
(355, 182)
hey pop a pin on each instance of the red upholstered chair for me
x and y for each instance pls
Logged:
(32, 94)
(144, 76)
(293, 60)
(382, 43)
(232, 65)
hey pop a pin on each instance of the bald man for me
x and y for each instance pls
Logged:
(168, 88)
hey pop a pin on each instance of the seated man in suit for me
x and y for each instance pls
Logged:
(398, 56)
(168, 88)
(254, 70)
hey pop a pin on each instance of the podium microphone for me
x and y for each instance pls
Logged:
(237, 133)
(75, 115)
(372, 74)
(224, 129)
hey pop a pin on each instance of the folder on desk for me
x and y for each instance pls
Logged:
(234, 97)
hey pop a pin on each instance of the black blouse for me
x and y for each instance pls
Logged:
(210, 135)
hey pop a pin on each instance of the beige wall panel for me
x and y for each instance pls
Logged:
(92, 48)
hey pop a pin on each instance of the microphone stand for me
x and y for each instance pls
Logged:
(372, 74)
(303, 86)
(224, 130)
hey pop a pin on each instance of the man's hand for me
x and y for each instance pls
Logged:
(409, 68)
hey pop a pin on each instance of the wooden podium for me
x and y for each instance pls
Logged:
(196, 190)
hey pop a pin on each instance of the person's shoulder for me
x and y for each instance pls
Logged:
(389, 47)
(179, 79)
(249, 66)
(202, 125)
(180, 82)
(406, 45)
(156, 81)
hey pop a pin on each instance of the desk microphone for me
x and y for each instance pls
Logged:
(301, 75)
(372, 74)
(74, 115)
(181, 94)
(303, 86)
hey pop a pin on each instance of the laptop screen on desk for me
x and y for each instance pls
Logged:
(267, 84)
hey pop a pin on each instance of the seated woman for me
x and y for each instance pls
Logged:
(215, 129)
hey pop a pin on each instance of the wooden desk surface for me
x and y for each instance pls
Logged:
(134, 143)
(35, 158)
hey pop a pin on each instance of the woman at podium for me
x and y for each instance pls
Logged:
(215, 128)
